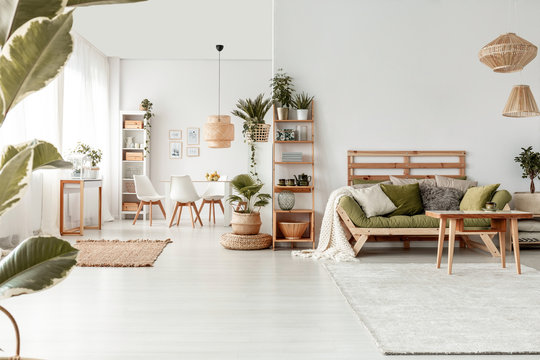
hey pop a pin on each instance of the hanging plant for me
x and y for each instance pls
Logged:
(146, 105)
(253, 113)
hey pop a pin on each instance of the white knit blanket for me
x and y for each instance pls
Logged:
(333, 242)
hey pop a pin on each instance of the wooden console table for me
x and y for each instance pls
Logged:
(498, 225)
(78, 185)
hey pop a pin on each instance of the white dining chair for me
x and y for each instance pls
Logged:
(184, 193)
(147, 195)
(213, 195)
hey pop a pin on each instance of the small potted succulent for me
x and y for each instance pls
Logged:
(246, 219)
(529, 161)
(302, 102)
(282, 91)
(93, 157)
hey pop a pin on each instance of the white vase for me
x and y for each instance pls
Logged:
(302, 114)
(129, 142)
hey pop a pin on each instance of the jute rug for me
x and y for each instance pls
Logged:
(119, 253)
(417, 309)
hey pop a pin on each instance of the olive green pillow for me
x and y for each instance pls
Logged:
(363, 181)
(476, 197)
(406, 198)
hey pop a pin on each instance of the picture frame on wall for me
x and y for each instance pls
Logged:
(193, 136)
(192, 151)
(175, 134)
(175, 149)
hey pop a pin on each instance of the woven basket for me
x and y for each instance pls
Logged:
(246, 242)
(260, 134)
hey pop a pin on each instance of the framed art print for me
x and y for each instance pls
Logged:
(192, 151)
(175, 149)
(193, 136)
(175, 134)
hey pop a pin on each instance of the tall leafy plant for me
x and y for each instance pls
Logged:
(282, 88)
(146, 106)
(253, 113)
(529, 161)
(35, 43)
(248, 191)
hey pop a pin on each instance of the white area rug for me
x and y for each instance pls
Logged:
(417, 309)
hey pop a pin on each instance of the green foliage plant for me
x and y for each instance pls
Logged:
(146, 105)
(302, 101)
(529, 161)
(282, 88)
(94, 154)
(248, 191)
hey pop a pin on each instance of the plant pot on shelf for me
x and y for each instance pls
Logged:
(246, 223)
(282, 113)
(143, 108)
(526, 201)
(302, 114)
(260, 133)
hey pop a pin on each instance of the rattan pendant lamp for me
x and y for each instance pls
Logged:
(218, 131)
(521, 103)
(508, 53)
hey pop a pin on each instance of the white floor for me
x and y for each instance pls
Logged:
(201, 301)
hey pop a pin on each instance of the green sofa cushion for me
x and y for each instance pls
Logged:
(359, 219)
(476, 197)
(406, 197)
(362, 181)
(501, 197)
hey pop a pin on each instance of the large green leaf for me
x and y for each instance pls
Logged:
(14, 179)
(36, 264)
(16, 12)
(45, 155)
(99, 2)
(33, 56)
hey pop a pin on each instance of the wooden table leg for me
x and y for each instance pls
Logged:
(61, 207)
(515, 241)
(81, 216)
(451, 240)
(502, 247)
(99, 215)
(440, 245)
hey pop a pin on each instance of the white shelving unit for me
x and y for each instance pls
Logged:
(132, 167)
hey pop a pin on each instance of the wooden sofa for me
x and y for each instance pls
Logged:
(359, 168)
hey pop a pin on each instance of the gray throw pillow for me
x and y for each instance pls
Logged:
(440, 198)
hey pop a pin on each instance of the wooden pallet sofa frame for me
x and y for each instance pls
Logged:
(356, 169)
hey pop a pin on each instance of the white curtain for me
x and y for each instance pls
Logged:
(72, 108)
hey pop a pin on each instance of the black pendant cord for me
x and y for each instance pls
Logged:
(219, 85)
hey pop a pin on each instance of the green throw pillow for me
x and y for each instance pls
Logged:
(406, 198)
(362, 181)
(476, 197)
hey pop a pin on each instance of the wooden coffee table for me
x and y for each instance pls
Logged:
(498, 225)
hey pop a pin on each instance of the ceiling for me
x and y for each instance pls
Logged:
(179, 29)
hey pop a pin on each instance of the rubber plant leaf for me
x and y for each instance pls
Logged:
(16, 12)
(99, 2)
(36, 264)
(46, 156)
(33, 57)
(14, 179)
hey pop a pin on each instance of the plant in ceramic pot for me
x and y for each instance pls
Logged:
(529, 161)
(302, 102)
(254, 128)
(246, 219)
(94, 158)
(282, 92)
(146, 106)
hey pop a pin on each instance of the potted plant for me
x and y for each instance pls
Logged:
(247, 220)
(302, 102)
(93, 155)
(254, 128)
(146, 106)
(282, 90)
(529, 161)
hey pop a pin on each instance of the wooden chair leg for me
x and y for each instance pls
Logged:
(221, 205)
(138, 211)
(191, 213)
(198, 215)
(162, 209)
(209, 211)
(150, 206)
(202, 205)
(214, 210)
(174, 214)
(181, 206)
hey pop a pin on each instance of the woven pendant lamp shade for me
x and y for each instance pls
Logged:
(521, 103)
(507, 53)
(218, 131)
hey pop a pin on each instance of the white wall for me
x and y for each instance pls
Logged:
(184, 93)
(405, 75)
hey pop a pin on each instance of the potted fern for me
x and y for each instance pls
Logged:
(302, 102)
(282, 91)
(254, 128)
(246, 219)
(529, 161)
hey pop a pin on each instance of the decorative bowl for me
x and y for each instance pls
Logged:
(293, 230)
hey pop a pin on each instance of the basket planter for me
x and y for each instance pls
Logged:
(526, 201)
(246, 224)
(260, 133)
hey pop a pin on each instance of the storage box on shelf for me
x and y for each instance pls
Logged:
(293, 162)
(133, 161)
